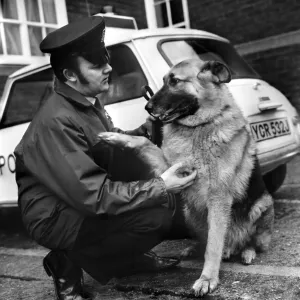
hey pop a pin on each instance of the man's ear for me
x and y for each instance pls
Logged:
(220, 72)
(69, 75)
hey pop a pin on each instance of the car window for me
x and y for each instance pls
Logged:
(126, 78)
(176, 50)
(26, 97)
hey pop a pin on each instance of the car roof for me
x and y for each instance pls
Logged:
(120, 35)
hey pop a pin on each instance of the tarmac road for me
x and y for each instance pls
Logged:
(274, 275)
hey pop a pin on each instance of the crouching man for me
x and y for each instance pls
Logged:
(69, 203)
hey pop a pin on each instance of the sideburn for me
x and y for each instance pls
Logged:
(73, 65)
(81, 78)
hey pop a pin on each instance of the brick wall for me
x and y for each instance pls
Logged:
(134, 8)
(281, 68)
(245, 20)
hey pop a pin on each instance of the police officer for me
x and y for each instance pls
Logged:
(69, 203)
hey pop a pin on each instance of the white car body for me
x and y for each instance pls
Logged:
(259, 101)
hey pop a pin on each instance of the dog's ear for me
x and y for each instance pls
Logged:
(220, 71)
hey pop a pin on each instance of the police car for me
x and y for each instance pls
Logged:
(142, 57)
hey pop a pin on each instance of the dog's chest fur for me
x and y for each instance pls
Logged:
(220, 151)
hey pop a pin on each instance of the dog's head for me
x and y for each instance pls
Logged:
(190, 87)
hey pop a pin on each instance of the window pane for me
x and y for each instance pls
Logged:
(206, 49)
(176, 11)
(161, 15)
(49, 11)
(35, 37)
(27, 96)
(126, 78)
(49, 29)
(13, 39)
(32, 10)
(9, 9)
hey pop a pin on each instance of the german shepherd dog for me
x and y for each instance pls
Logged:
(204, 127)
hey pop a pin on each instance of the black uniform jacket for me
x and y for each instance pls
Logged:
(59, 183)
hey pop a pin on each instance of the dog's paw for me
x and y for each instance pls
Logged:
(248, 255)
(122, 141)
(205, 285)
(189, 252)
(113, 138)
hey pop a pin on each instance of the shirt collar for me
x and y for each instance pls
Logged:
(71, 94)
(91, 99)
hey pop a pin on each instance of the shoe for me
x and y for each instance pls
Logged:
(151, 262)
(67, 278)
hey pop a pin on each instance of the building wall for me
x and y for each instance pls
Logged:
(245, 20)
(134, 8)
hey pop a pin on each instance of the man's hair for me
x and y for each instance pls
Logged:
(60, 62)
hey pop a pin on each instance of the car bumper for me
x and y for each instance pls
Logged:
(270, 160)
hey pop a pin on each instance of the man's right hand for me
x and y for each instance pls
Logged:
(178, 177)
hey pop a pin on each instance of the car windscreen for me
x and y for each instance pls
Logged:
(26, 96)
(126, 77)
(176, 50)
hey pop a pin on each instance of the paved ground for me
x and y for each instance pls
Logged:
(274, 275)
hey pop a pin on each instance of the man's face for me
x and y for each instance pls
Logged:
(92, 78)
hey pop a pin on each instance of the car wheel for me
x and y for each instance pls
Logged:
(274, 179)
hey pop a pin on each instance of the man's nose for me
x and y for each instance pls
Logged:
(107, 68)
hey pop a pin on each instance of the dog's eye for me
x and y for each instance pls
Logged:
(174, 81)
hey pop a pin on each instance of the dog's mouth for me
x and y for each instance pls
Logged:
(174, 113)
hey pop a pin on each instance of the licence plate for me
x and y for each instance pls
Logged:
(270, 129)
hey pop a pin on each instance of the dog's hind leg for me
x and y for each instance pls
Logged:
(218, 219)
(264, 225)
(264, 229)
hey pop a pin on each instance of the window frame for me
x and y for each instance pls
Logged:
(26, 57)
(151, 15)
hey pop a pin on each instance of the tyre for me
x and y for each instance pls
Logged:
(274, 179)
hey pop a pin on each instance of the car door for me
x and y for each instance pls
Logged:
(26, 94)
(124, 101)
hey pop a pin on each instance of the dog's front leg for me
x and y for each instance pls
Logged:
(218, 220)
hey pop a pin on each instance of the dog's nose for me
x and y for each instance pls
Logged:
(149, 107)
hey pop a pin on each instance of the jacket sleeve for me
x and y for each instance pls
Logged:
(61, 159)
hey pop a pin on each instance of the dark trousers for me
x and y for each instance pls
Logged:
(108, 247)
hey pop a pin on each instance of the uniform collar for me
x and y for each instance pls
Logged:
(69, 93)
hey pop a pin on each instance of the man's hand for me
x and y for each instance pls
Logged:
(178, 177)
